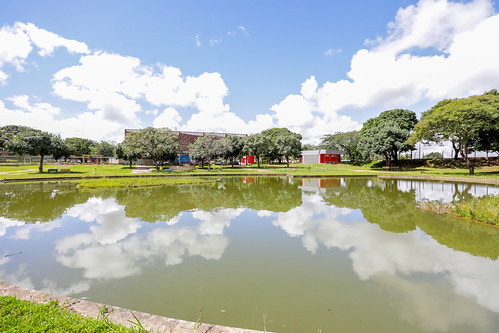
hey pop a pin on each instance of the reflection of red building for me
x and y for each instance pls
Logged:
(321, 182)
(248, 180)
(322, 156)
(248, 160)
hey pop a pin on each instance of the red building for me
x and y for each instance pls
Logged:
(322, 156)
(248, 160)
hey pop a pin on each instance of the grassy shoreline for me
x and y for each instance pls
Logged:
(24, 316)
(483, 210)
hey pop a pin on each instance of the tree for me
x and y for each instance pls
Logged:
(8, 132)
(433, 155)
(257, 145)
(347, 141)
(459, 120)
(230, 148)
(36, 142)
(387, 134)
(288, 144)
(205, 147)
(79, 146)
(158, 144)
(103, 148)
(128, 150)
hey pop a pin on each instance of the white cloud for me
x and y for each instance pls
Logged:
(433, 50)
(17, 41)
(393, 74)
(332, 52)
(169, 118)
(215, 41)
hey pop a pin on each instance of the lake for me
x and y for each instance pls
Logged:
(284, 254)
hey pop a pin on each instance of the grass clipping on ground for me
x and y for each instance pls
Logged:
(143, 181)
(24, 316)
(484, 209)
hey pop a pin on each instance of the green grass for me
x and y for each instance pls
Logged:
(76, 170)
(484, 209)
(24, 316)
(143, 181)
(343, 169)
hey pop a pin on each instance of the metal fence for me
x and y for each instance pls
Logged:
(23, 160)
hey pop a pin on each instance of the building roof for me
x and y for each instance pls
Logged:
(323, 151)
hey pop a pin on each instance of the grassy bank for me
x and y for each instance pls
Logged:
(484, 209)
(23, 316)
(343, 169)
(142, 182)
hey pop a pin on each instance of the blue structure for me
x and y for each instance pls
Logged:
(184, 159)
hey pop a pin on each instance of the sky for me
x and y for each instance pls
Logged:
(91, 69)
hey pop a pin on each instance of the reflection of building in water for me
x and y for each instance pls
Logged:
(248, 180)
(445, 192)
(320, 184)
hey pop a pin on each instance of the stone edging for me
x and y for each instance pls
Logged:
(117, 315)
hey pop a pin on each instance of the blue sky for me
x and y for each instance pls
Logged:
(93, 68)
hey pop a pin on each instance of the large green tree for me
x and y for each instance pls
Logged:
(230, 148)
(8, 132)
(158, 144)
(79, 146)
(205, 147)
(459, 120)
(256, 145)
(36, 142)
(128, 150)
(347, 141)
(103, 148)
(387, 134)
(274, 150)
(288, 144)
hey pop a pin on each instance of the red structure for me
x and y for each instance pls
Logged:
(330, 158)
(322, 156)
(248, 160)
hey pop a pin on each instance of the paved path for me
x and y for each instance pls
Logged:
(141, 169)
(9, 172)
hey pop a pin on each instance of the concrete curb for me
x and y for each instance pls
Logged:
(118, 315)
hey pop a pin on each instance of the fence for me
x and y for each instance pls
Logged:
(23, 160)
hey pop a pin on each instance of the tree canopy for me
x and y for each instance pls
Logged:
(79, 146)
(205, 147)
(256, 145)
(460, 120)
(36, 142)
(387, 134)
(347, 141)
(158, 144)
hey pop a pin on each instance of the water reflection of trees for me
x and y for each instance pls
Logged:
(39, 202)
(164, 203)
(381, 202)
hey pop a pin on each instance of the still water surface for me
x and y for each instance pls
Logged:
(329, 255)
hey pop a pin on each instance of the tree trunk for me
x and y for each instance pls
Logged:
(209, 164)
(456, 150)
(388, 159)
(394, 155)
(287, 161)
(131, 161)
(40, 168)
(463, 148)
(258, 160)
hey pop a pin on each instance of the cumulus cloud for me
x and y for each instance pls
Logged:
(17, 41)
(432, 50)
(461, 60)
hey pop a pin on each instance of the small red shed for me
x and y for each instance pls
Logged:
(248, 160)
(322, 156)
